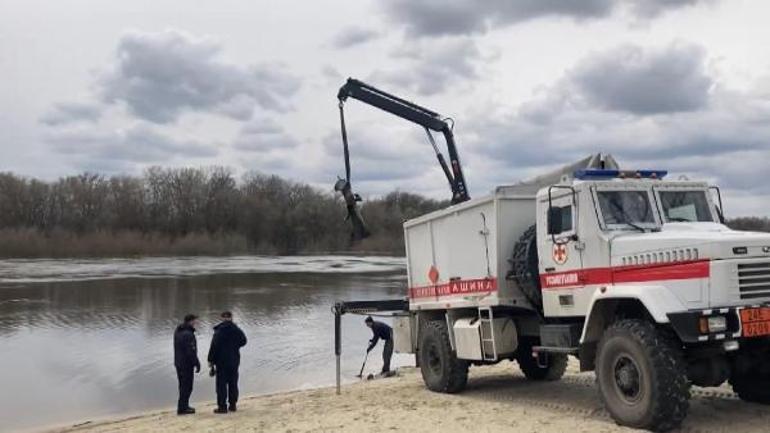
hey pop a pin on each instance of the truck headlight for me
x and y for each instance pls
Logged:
(713, 324)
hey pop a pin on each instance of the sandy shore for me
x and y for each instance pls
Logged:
(498, 399)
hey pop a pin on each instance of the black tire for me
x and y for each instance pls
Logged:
(751, 389)
(524, 268)
(550, 367)
(440, 368)
(642, 376)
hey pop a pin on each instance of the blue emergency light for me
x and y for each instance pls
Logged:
(605, 174)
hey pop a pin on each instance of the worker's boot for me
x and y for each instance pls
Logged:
(186, 411)
(220, 410)
(233, 408)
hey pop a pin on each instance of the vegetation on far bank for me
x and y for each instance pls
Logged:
(198, 211)
(189, 211)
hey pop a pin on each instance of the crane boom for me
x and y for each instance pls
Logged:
(428, 119)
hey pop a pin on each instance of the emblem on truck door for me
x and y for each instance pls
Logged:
(560, 253)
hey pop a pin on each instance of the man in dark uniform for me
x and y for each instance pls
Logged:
(382, 332)
(225, 358)
(185, 361)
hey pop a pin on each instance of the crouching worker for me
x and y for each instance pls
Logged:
(186, 361)
(382, 332)
(225, 358)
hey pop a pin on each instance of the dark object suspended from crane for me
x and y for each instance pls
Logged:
(430, 120)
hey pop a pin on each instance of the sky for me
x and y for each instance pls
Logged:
(116, 87)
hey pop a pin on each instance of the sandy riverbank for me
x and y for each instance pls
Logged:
(498, 399)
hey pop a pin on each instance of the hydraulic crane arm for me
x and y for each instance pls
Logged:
(422, 116)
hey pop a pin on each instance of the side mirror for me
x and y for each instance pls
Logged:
(554, 220)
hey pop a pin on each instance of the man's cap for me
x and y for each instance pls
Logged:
(369, 319)
(226, 315)
(190, 318)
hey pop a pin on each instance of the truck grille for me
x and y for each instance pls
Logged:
(754, 280)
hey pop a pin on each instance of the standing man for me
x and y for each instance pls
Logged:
(225, 358)
(185, 361)
(384, 332)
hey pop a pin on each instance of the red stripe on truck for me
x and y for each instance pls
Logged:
(627, 274)
(456, 287)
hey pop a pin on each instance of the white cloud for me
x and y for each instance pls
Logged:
(159, 76)
(351, 36)
(641, 81)
(429, 67)
(453, 17)
(71, 112)
(639, 122)
(264, 134)
(125, 149)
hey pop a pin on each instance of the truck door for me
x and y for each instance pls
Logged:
(561, 218)
(561, 257)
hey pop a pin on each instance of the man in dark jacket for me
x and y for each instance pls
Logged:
(185, 361)
(382, 332)
(225, 357)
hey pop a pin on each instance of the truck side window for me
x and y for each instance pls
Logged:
(566, 219)
(563, 220)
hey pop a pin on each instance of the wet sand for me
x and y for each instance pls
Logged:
(497, 399)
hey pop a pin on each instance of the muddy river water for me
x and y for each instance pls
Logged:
(83, 339)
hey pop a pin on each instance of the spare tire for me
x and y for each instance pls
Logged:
(524, 268)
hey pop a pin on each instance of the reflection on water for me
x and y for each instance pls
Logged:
(88, 338)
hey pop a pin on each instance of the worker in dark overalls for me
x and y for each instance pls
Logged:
(224, 359)
(382, 332)
(186, 362)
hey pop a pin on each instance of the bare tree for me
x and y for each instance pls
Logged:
(270, 213)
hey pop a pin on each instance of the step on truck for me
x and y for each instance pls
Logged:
(633, 274)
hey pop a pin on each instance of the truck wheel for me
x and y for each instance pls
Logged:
(549, 368)
(750, 389)
(642, 376)
(440, 368)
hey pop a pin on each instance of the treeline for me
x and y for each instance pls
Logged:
(193, 211)
(754, 224)
(189, 211)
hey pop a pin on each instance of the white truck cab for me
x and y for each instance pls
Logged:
(635, 275)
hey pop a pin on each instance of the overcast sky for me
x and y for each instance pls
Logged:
(116, 87)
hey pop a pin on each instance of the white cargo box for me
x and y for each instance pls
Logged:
(458, 257)
(467, 338)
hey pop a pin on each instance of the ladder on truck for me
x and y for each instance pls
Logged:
(487, 329)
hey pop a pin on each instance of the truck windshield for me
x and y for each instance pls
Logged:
(630, 208)
(685, 206)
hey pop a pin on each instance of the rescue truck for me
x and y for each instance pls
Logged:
(635, 275)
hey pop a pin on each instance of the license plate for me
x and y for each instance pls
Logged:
(755, 322)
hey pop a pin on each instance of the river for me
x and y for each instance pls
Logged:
(88, 338)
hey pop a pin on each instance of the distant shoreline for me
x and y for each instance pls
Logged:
(31, 243)
(58, 244)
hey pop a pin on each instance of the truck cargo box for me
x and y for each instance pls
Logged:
(458, 257)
